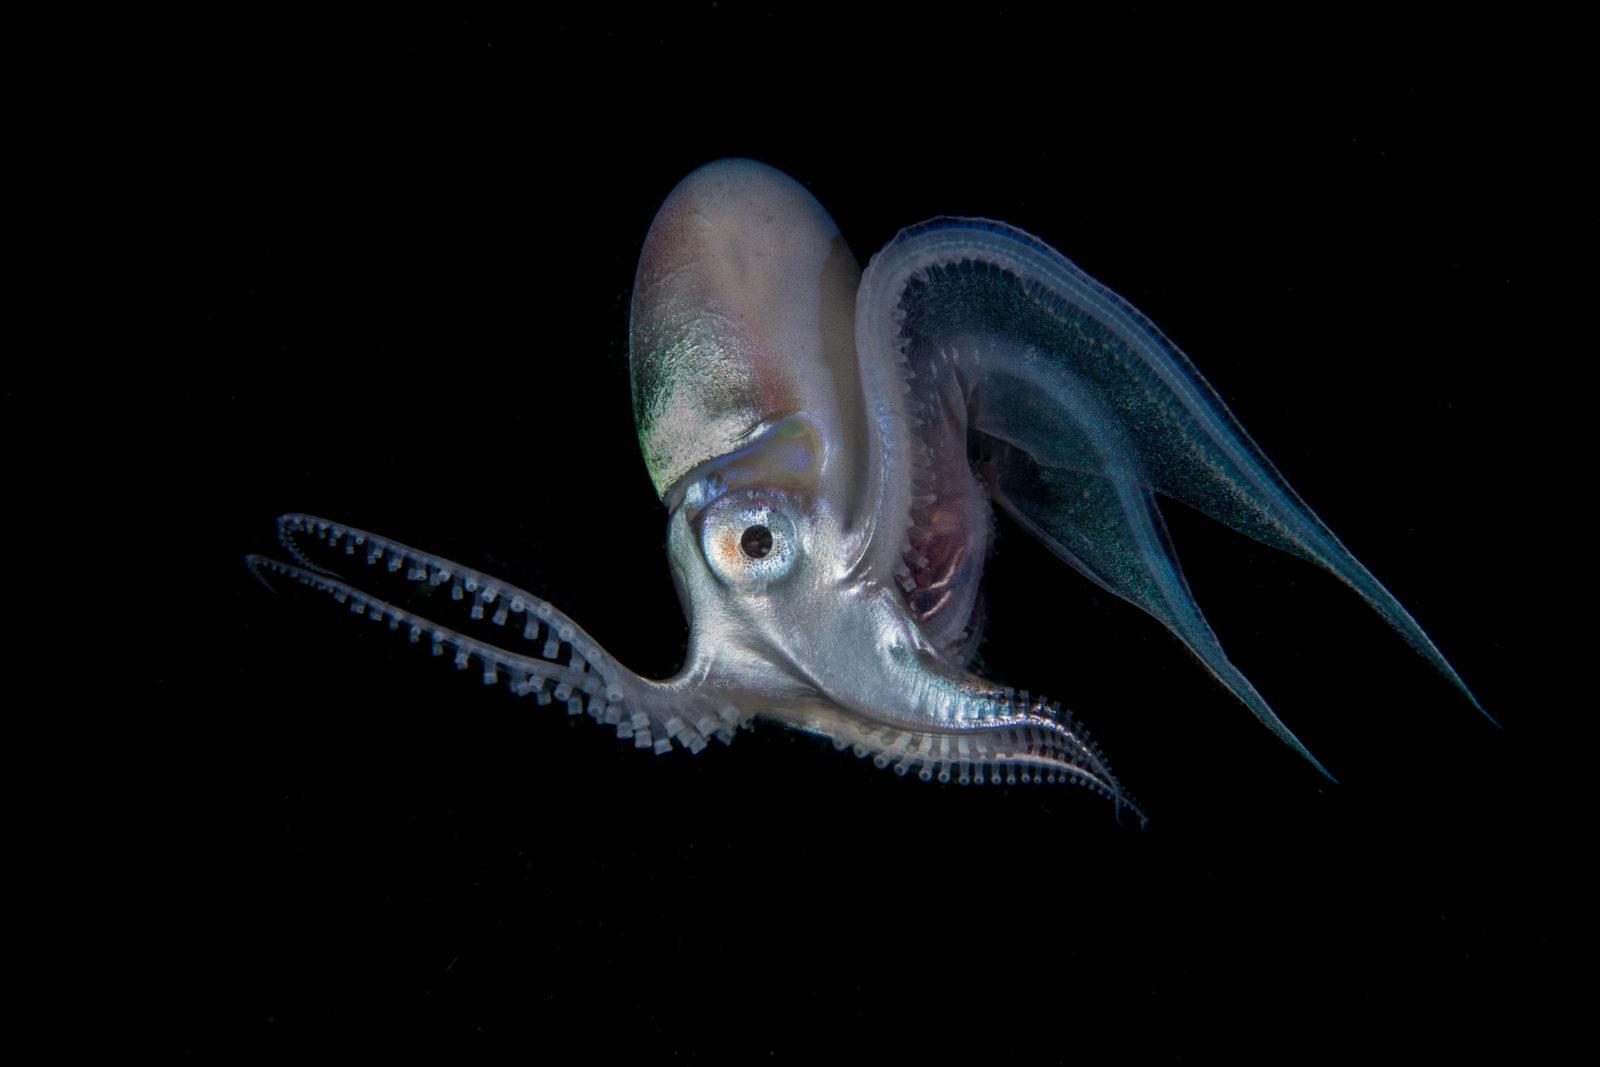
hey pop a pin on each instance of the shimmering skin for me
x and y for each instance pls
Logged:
(855, 429)
(743, 309)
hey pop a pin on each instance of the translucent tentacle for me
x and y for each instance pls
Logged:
(1089, 411)
(565, 667)
(1107, 527)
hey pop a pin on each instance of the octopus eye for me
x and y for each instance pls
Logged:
(748, 542)
(756, 542)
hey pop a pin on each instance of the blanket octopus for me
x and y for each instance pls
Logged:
(829, 444)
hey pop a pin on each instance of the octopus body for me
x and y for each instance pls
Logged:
(830, 445)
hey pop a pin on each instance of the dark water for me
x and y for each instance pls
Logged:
(393, 273)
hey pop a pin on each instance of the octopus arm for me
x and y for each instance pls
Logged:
(557, 664)
(1082, 412)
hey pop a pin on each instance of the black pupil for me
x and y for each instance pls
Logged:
(756, 542)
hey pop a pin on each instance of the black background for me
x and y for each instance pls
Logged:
(386, 272)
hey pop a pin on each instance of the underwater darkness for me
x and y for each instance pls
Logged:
(392, 276)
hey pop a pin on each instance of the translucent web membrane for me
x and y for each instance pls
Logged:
(1008, 737)
(1087, 413)
(949, 516)
(566, 667)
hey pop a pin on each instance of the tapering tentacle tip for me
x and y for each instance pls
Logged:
(254, 562)
(1122, 804)
(1455, 679)
(1496, 723)
(1320, 768)
(1294, 742)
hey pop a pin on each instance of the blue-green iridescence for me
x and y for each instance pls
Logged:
(1086, 411)
(692, 385)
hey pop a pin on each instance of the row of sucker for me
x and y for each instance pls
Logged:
(1017, 739)
(568, 669)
